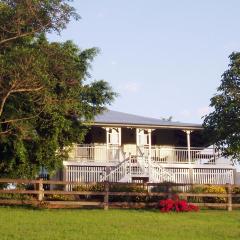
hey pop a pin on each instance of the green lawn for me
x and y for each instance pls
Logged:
(25, 224)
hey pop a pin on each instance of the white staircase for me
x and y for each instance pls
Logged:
(121, 173)
(141, 168)
(160, 174)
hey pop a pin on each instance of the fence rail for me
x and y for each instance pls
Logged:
(39, 196)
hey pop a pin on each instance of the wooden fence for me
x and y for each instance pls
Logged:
(38, 193)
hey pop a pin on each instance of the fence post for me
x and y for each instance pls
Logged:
(229, 194)
(169, 191)
(106, 195)
(40, 190)
(64, 177)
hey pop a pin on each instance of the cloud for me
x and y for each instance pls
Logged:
(185, 113)
(197, 113)
(202, 111)
(132, 87)
(113, 62)
(100, 14)
(231, 46)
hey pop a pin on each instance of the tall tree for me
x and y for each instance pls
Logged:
(223, 124)
(45, 96)
(20, 22)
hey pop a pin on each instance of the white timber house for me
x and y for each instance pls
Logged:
(123, 147)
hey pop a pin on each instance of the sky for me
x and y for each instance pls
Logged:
(164, 57)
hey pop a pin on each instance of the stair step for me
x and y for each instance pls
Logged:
(143, 179)
(139, 175)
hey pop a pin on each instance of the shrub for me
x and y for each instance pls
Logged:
(17, 196)
(236, 190)
(164, 187)
(59, 197)
(128, 188)
(215, 189)
(99, 187)
(197, 189)
(208, 189)
(177, 205)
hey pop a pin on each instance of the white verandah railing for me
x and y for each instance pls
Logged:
(182, 155)
(99, 153)
(158, 154)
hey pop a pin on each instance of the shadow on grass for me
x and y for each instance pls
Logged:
(142, 211)
(27, 207)
(37, 208)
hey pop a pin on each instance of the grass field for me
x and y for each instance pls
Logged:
(25, 224)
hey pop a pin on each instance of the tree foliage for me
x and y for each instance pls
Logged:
(45, 92)
(20, 18)
(223, 124)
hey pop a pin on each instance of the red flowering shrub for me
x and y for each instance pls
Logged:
(177, 205)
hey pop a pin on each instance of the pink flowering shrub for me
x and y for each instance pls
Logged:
(177, 205)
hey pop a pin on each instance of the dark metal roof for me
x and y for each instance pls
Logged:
(109, 118)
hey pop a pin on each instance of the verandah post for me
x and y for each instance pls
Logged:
(106, 195)
(188, 132)
(229, 196)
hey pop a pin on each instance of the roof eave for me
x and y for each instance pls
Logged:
(150, 126)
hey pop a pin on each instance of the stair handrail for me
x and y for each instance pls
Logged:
(117, 167)
(140, 151)
(142, 160)
(163, 172)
